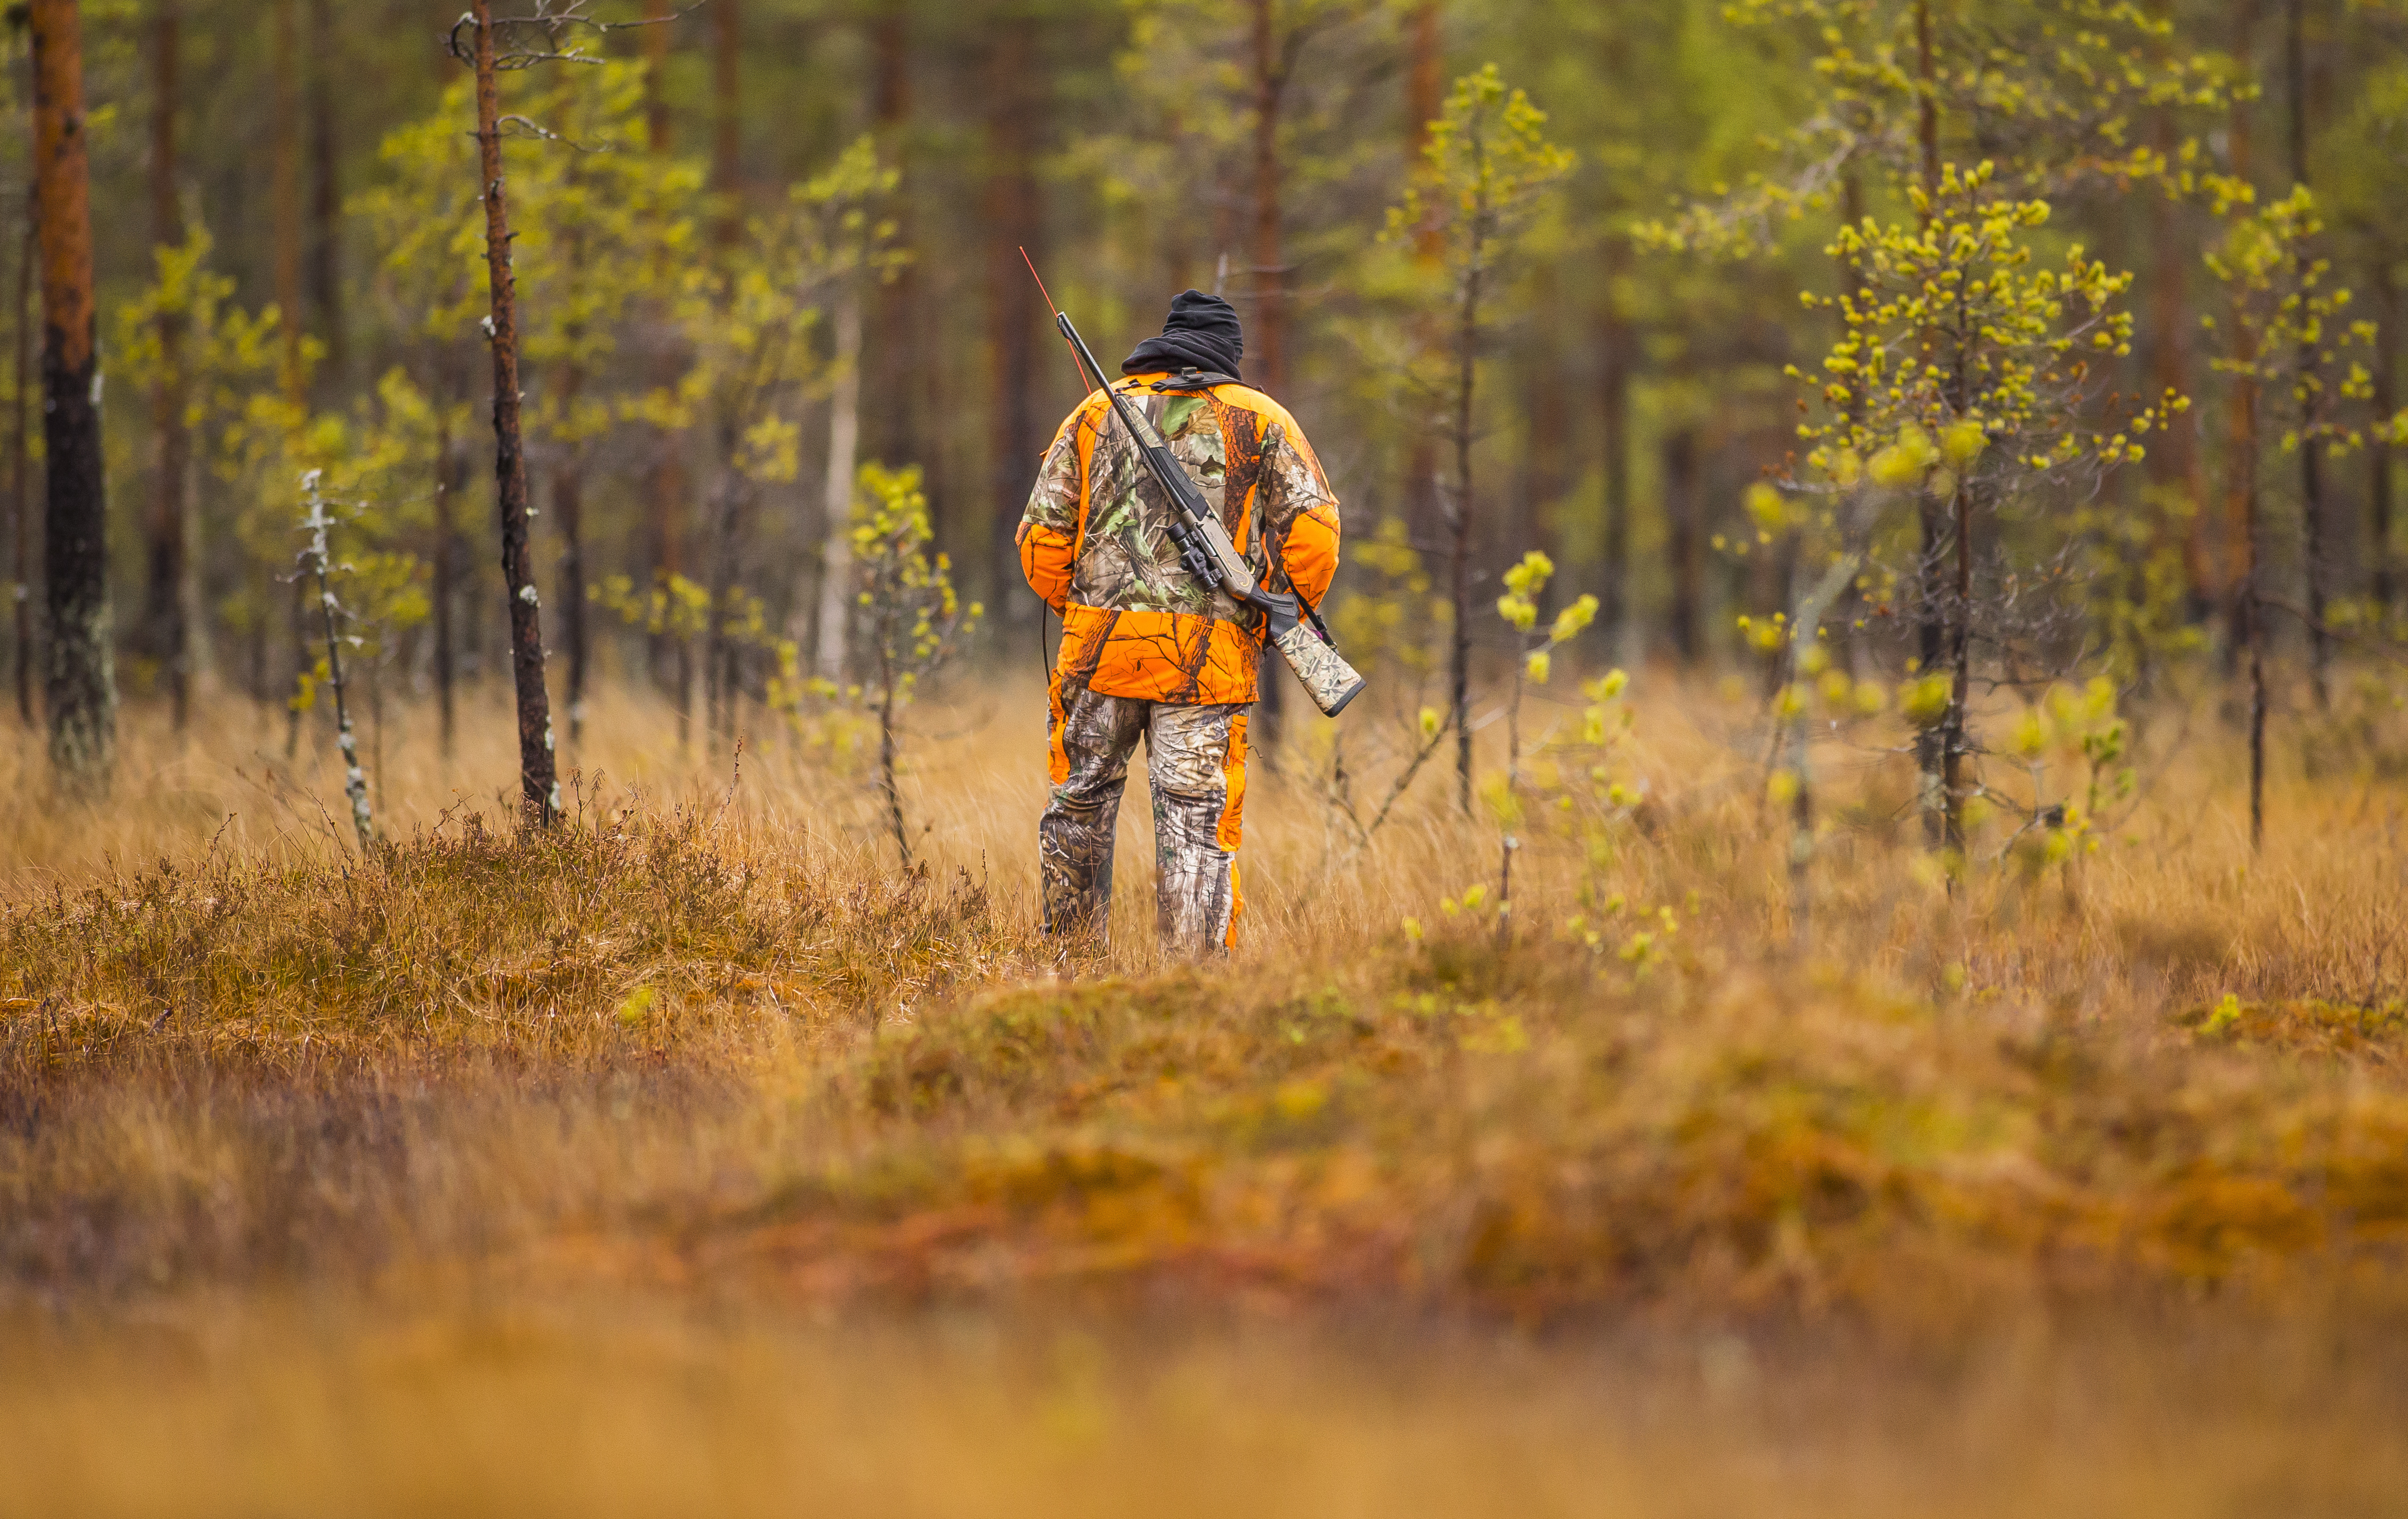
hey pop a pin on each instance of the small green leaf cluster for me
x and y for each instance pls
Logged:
(2081, 732)
(2287, 331)
(909, 616)
(1486, 161)
(1960, 361)
(1525, 582)
(2057, 89)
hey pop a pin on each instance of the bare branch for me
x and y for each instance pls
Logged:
(561, 29)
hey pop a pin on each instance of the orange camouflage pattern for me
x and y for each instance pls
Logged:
(1095, 541)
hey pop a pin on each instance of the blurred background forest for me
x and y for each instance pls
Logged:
(1759, 422)
(765, 242)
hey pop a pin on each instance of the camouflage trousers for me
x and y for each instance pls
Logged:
(1196, 769)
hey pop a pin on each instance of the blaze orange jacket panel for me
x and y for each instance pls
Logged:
(1095, 540)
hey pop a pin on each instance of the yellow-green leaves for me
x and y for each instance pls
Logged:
(1519, 604)
(1962, 442)
(2058, 81)
(1903, 462)
(1519, 607)
(1925, 700)
(1572, 620)
(911, 619)
(1963, 362)
(1487, 162)
(2286, 331)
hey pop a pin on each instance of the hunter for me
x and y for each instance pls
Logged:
(1149, 649)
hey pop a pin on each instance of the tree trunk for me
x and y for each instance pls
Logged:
(1805, 632)
(164, 625)
(2241, 511)
(1015, 215)
(2249, 614)
(836, 589)
(285, 232)
(355, 785)
(1425, 98)
(886, 745)
(285, 207)
(655, 35)
(727, 117)
(1269, 328)
(569, 478)
(2174, 460)
(1425, 76)
(1955, 728)
(2311, 486)
(2378, 454)
(1547, 470)
(666, 655)
(1688, 547)
(21, 470)
(1926, 133)
(2241, 421)
(1460, 508)
(1269, 333)
(538, 788)
(82, 679)
(891, 431)
(568, 505)
(1930, 629)
(1613, 399)
(451, 480)
(726, 498)
(718, 672)
(325, 242)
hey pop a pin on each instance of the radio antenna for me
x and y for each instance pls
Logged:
(1084, 383)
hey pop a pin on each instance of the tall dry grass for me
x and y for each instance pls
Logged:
(707, 1045)
(709, 1025)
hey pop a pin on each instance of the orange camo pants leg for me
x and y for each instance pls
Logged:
(1092, 738)
(1195, 768)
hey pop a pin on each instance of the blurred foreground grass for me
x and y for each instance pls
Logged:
(644, 1406)
(506, 1166)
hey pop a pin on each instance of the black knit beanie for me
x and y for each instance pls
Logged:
(1202, 333)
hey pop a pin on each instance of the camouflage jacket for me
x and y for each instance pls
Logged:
(1095, 540)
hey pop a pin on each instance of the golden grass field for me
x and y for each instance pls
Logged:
(692, 1157)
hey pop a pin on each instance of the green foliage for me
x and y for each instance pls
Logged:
(426, 224)
(908, 617)
(609, 229)
(2286, 331)
(2082, 736)
(1525, 583)
(1392, 626)
(1961, 362)
(2058, 93)
(748, 319)
(1485, 172)
(673, 606)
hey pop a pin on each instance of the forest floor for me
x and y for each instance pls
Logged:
(692, 1156)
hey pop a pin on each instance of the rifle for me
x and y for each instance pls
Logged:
(1206, 551)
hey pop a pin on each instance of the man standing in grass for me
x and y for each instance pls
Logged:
(1149, 650)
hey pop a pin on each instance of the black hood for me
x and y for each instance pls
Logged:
(1202, 334)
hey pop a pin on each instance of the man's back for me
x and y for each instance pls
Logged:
(1095, 540)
